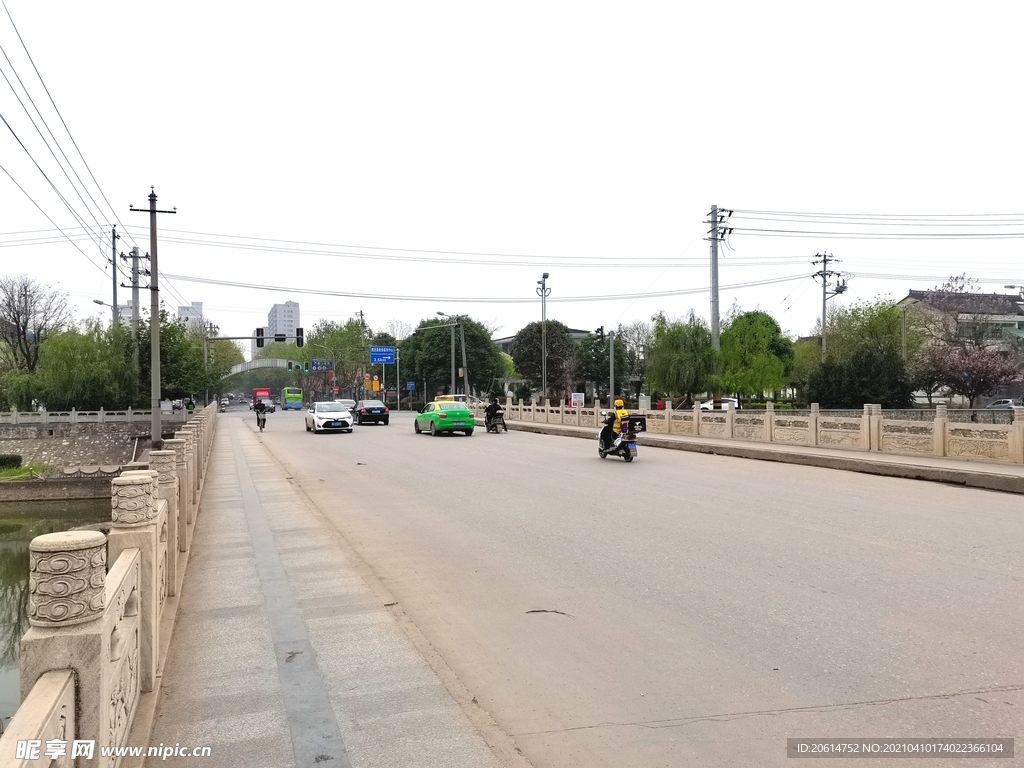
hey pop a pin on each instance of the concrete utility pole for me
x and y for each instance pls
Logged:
(465, 370)
(113, 272)
(135, 312)
(155, 434)
(825, 273)
(544, 292)
(716, 218)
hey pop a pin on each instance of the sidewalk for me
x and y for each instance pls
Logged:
(283, 655)
(973, 474)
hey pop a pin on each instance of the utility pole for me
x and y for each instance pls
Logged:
(611, 369)
(135, 314)
(543, 292)
(155, 434)
(465, 370)
(716, 219)
(825, 273)
(113, 272)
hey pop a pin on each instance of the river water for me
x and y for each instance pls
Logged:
(20, 522)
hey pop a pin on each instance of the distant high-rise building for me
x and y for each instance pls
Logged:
(192, 315)
(283, 318)
(124, 311)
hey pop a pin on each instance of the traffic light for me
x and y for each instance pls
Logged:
(259, 338)
(280, 338)
(289, 366)
(299, 341)
(600, 333)
(306, 367)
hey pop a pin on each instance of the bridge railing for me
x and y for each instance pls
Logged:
(983, 435)
(91, 417)
(98, 620)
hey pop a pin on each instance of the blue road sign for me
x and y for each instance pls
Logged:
(410, 385)
(382, 355)
(321, 365)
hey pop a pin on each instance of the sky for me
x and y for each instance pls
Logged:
(446, 155)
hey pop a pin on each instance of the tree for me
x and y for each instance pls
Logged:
(86, 368)
(756, 355)
(682, 358)
(526, 353)
(871, 375)
(427, 354)
(592, 362)
(636, 338)
(346, 344)
(929, 370)
(29, 313)
(974, 372)
(806, 359)
(876, 324)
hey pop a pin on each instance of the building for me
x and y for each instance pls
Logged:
(192, 315)
(283, 318)
(995, 319)
(124, 312)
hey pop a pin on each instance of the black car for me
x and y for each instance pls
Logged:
(366, 411)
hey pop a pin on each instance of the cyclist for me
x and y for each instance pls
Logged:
(261, 414)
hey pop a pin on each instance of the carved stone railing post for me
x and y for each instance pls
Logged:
(875, 421)
(177, 445)
(812, 425)
(1017, 436)
(769, 421)
(75, 618)
(188, 492)
(140, 522)
(696, 419)
(67, 572)
(167, 489)
(939, 427)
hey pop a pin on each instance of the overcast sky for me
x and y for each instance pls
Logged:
(559, 137)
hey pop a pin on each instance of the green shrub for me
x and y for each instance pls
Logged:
(10, 460)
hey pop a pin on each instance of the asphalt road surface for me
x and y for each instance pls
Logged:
(683, 609)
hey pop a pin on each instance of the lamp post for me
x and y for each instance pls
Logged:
(544, 292)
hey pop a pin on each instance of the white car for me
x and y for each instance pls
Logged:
(728, 403)
(328, 417)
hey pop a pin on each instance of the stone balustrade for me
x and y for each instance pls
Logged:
(942, 432)
(93, 417)
(98, 607)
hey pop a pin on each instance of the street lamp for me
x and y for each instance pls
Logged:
(544, 292)
(457, 320)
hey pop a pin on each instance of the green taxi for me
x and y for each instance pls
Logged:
(440, 416)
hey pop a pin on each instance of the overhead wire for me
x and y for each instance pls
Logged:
(480, 300)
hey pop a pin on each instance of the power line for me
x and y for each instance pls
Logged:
(494, 300)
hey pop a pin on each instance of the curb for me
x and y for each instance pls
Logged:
(991, 481)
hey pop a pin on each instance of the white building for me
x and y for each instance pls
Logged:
(124, 311)
(283, 318)
(192, 315)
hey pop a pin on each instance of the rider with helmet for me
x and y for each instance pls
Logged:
(621, 417)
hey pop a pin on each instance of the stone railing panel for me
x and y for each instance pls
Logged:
(748, 425)
(840, 431)
(791, 429)
(910, 437)
(978, 441)
(657, 422)
(714, 424)
(682, 423)
(46, 714)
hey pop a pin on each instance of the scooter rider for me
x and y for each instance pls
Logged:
(621, 418)
(494, 413)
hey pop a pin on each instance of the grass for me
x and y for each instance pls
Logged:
(17, 473)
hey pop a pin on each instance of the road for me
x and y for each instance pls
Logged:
(683, 609)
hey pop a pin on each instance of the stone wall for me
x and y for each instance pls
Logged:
(63, 444)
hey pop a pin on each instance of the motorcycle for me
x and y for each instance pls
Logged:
(623, 445)
(495, 423)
